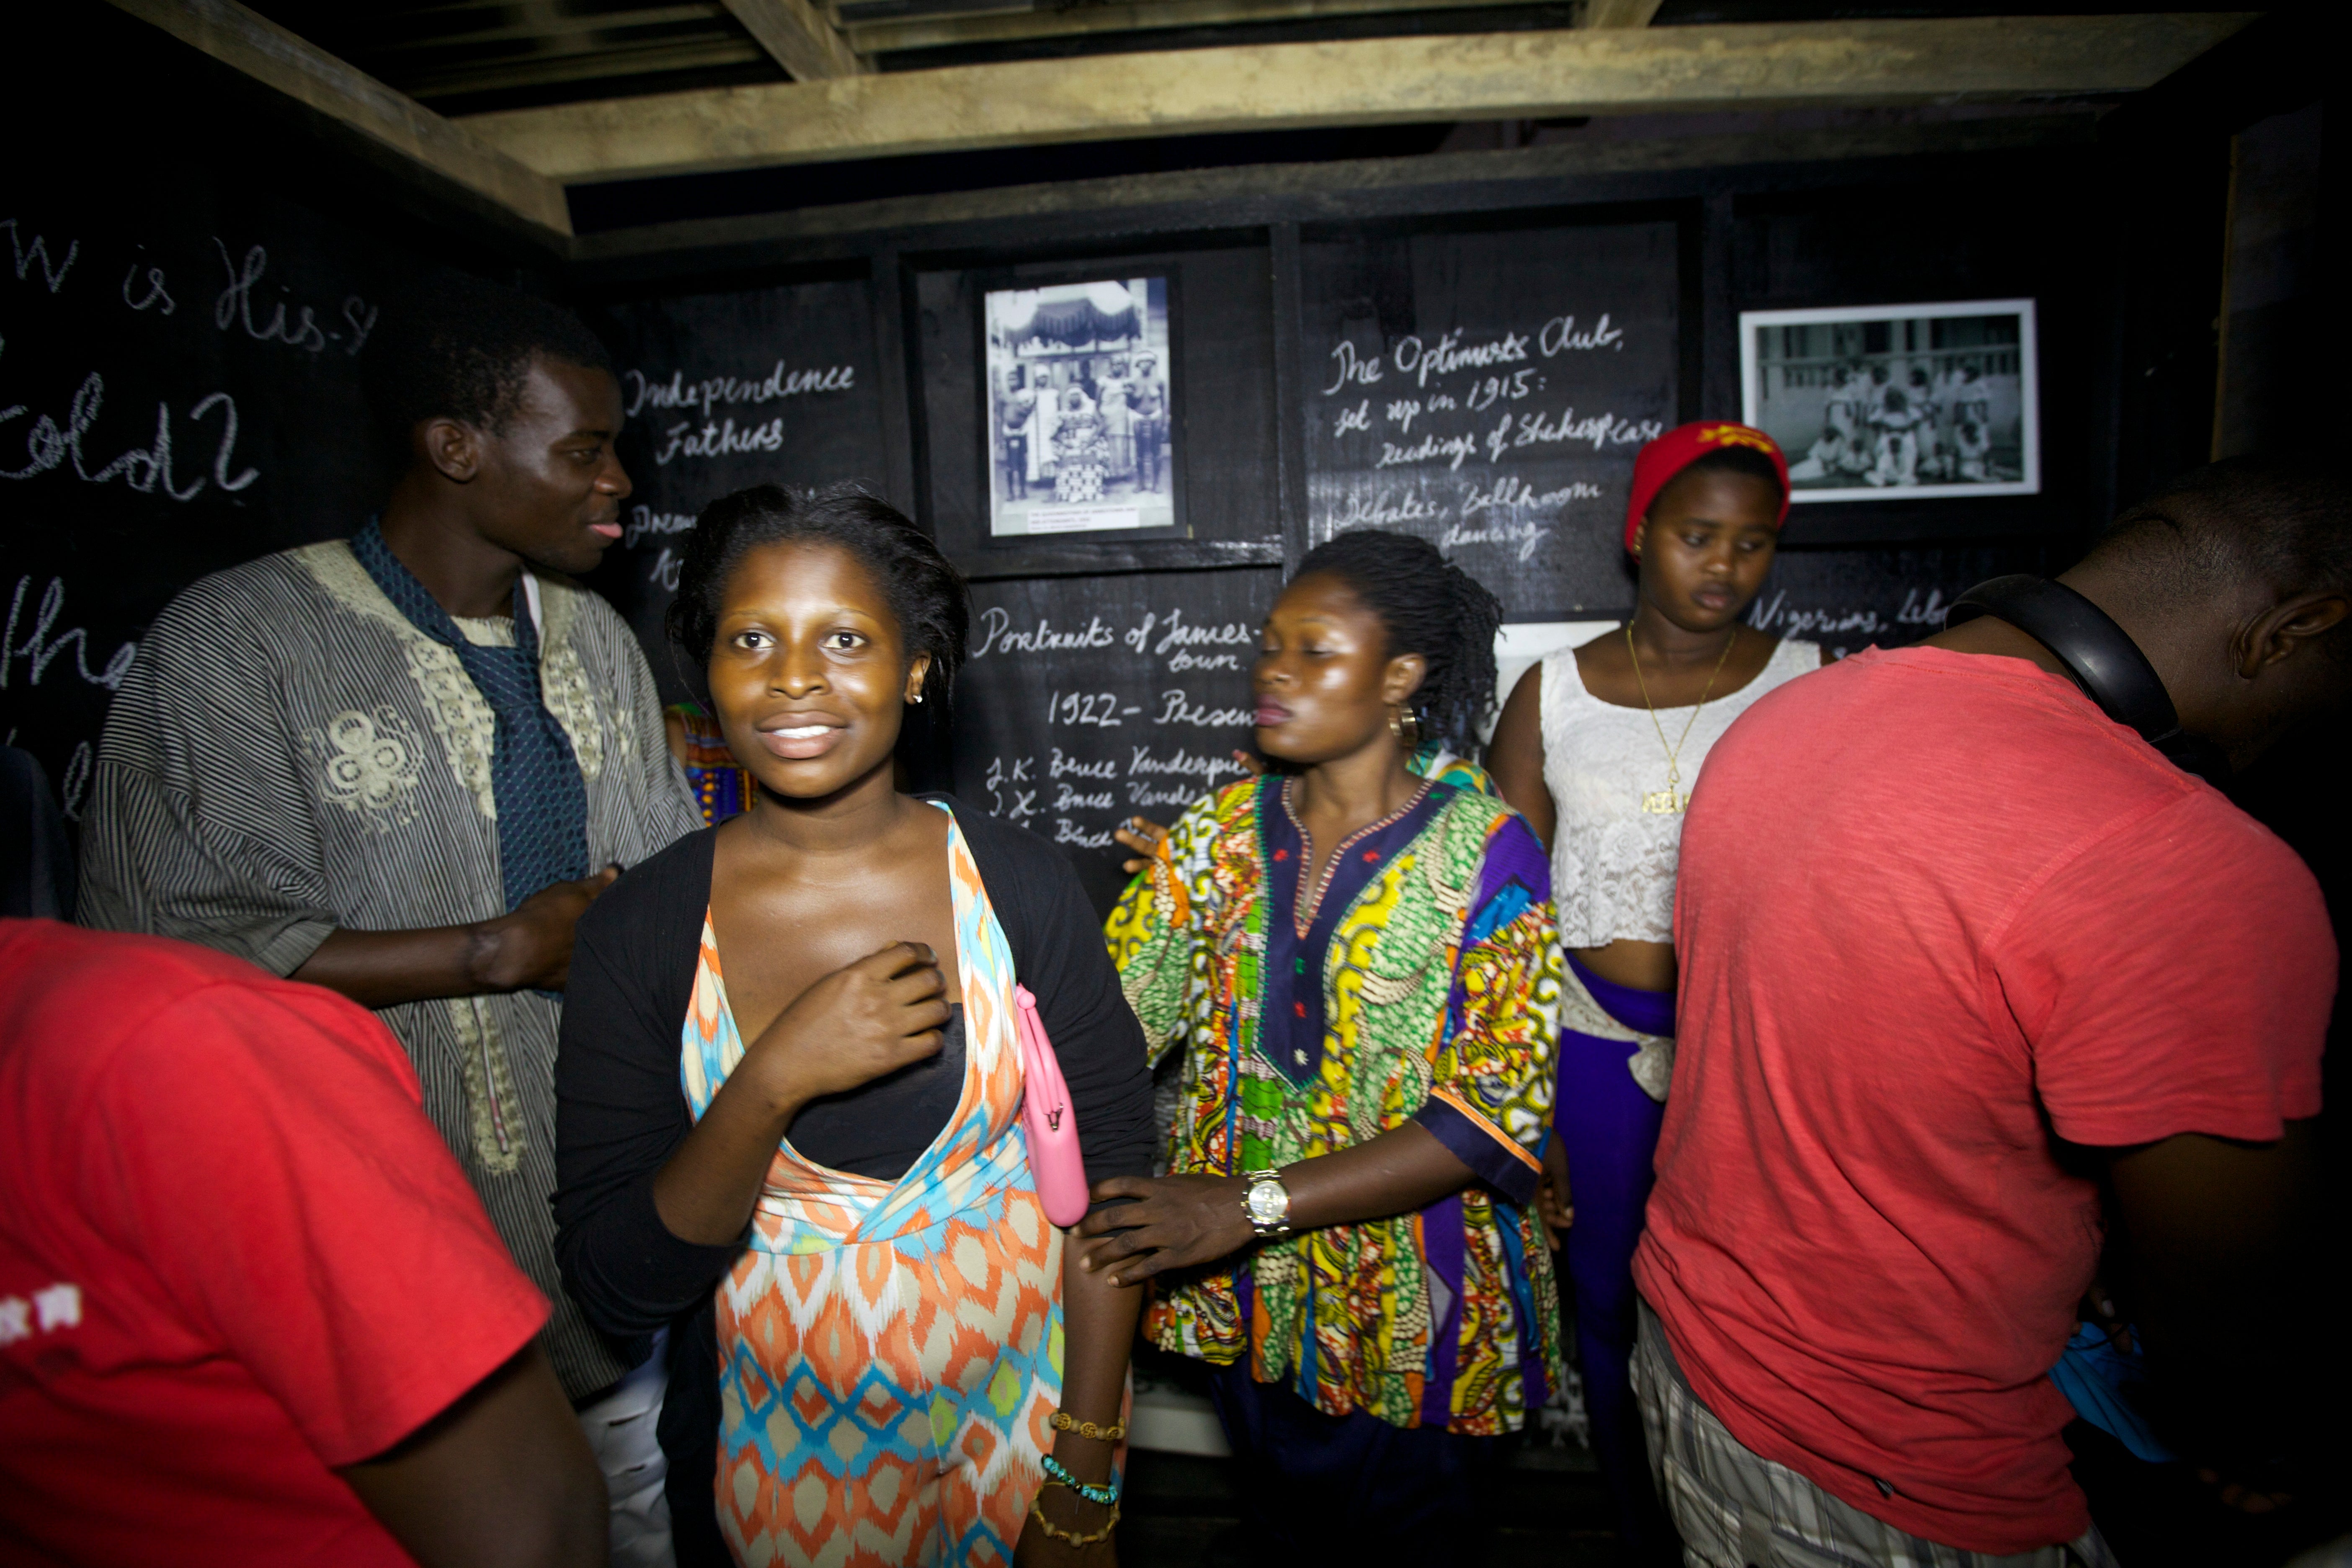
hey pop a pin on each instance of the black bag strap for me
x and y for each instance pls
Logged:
(2101, 656)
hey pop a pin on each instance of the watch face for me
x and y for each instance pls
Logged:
(1267, 1203)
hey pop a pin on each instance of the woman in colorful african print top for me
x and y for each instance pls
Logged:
(1360, 967)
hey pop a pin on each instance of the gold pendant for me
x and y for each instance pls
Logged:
(1664, 802)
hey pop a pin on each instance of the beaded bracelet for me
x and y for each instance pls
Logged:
(1072, 1537)
(1107, 1496)
(1065, 1422)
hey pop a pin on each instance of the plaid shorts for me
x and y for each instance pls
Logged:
(1737, 1510)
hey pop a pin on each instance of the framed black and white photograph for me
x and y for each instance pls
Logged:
(1898, 402)
(1080, 393)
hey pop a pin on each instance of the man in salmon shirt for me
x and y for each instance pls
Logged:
(1957, 948)
(251, 1316)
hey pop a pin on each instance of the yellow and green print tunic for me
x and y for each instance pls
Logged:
(1417, 982)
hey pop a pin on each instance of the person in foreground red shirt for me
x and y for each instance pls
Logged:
(1956, 947)
(250, 1312)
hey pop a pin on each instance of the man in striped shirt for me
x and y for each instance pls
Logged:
(401, 765)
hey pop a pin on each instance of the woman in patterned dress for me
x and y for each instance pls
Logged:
(1360, 968)
(806, 1160)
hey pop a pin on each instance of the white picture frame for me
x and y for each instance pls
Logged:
(1965, 419)
(1081, 433)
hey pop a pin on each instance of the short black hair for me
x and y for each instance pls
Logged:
(927, 596)
(455, 347)
(1431, 608)
(2285, 522)
(1745, 460)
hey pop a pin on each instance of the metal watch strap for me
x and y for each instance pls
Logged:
(1254, 1178)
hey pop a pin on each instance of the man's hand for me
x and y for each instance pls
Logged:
(530, 949)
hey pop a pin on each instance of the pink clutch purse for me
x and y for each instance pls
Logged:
(1055, 1162)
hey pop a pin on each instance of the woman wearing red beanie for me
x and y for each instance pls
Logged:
(1599, 747)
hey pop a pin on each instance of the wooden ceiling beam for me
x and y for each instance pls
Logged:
(1282, 86)
(256, 47)
(1618, 12)
(589, 65)
(800, 37)
(1118, 17)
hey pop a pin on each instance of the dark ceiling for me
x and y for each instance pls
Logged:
(462, 56)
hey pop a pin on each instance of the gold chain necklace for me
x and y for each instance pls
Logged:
(1671, 800)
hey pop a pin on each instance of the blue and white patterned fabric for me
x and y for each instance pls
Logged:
(543, 805)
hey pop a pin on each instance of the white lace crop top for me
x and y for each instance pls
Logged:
(1612, 864)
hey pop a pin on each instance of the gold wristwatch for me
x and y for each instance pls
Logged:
(1267, 1203)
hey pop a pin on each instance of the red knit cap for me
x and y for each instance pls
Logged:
(1678, 448)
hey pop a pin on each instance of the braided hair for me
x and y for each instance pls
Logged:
(927, 595)
(1431, 608)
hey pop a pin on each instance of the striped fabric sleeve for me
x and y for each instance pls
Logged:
(198, 825)
(1491, 1102)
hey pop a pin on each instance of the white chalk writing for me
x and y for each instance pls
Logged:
(1779, 616)
(1005, 797)
(1384, 508)
(1523, 536)
(1559, 336)
(234, 309)
(1182, 764)
(996, 636)
(713, 391)
(1098, 709)
(645, 521)
(53, 268)
(49, 446)
(154, 294)
(1350, 368)
(1512, 491)
(1177, 708)
(40, 648)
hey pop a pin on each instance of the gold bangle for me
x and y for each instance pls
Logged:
(1065, 1422)
(1069, 1537)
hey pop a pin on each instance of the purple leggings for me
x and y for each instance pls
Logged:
(1608, 1129)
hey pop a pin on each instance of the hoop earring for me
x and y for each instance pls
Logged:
(1405, 725)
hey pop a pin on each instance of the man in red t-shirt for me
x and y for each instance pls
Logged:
(1954, 946)
(250, 1312)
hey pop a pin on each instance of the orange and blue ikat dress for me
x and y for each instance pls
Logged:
(890, 1353)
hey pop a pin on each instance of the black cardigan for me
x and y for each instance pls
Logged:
(620, 1110)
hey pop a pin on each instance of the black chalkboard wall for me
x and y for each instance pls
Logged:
(773, 384)
(1487, 390)
(178, 393)
(179, 320)
(1087, 701)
